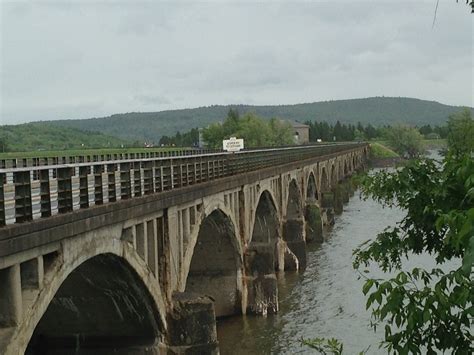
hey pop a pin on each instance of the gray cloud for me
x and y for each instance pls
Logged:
(73, 59)
(152, 100)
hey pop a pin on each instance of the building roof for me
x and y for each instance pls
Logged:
(298, 125)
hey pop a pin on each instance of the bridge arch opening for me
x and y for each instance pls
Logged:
(294, 205)
(312, 213)
(215, 264)
(294, 229)
(324, 184)
(266, 223)
(312, 189)
(333, 176)
(101, 307)
(262, 258)
(262, 251)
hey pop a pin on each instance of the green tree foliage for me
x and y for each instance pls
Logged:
(281, 132)
(406, 141)
(470, 3)
(424, 311)
(343, 132)
(255, 131)
(461, 132)
(187, 139)
(32, 136)
(3, 143)
(324, 346)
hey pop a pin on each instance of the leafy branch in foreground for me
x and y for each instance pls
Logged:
(424, 310)
(326, 346)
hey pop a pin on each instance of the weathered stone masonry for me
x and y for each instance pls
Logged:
(184, 241)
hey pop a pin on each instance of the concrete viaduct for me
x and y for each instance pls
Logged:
(138, 254)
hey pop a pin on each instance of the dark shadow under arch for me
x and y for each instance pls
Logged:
(266, 224)
(325, 186)
(312, 193)
(293, 229)
(215, 264)
(333, 175)
(294, 207)
(261, 256)
(103, 304)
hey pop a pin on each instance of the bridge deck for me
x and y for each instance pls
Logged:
(36, 192)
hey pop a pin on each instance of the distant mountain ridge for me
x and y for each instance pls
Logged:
(150, 126)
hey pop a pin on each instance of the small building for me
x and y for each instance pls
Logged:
(301, 132)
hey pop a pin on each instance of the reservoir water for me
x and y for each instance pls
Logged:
(325, 300)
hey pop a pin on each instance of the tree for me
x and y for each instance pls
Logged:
(406, 141)
(3, 144)
(282, 132)
(232, 122)
(426, 129)
(370, 131)
(424, 310)
(337, 131)
(213, 135)
(461, 132)
(359, 135)
(255, 131)
(471, 3)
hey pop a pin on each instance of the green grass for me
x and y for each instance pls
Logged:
(378, 150)
(77, 152)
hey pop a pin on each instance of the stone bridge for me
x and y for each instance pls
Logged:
(140, 254)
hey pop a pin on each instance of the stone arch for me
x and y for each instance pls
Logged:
(56, 270)
(262, 257)
(294, 205)
(294, 229)
(312, 213)
(215, 268)
(346, 168)
(266, 221)
(324, 181)
(210, 206)
(101, 303)
(312, 193)
(327, 196)
(334, 177)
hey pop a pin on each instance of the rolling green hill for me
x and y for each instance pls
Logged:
(376, 110)
(45, 136)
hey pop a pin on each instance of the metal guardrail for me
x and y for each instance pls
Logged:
(30, 192)
(8, 163)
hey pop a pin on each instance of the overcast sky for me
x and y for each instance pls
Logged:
(71, 59)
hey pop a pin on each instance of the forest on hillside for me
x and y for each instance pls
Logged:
(378, 111)
(35, 137)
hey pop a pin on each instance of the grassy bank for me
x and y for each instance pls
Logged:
(380, 151)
